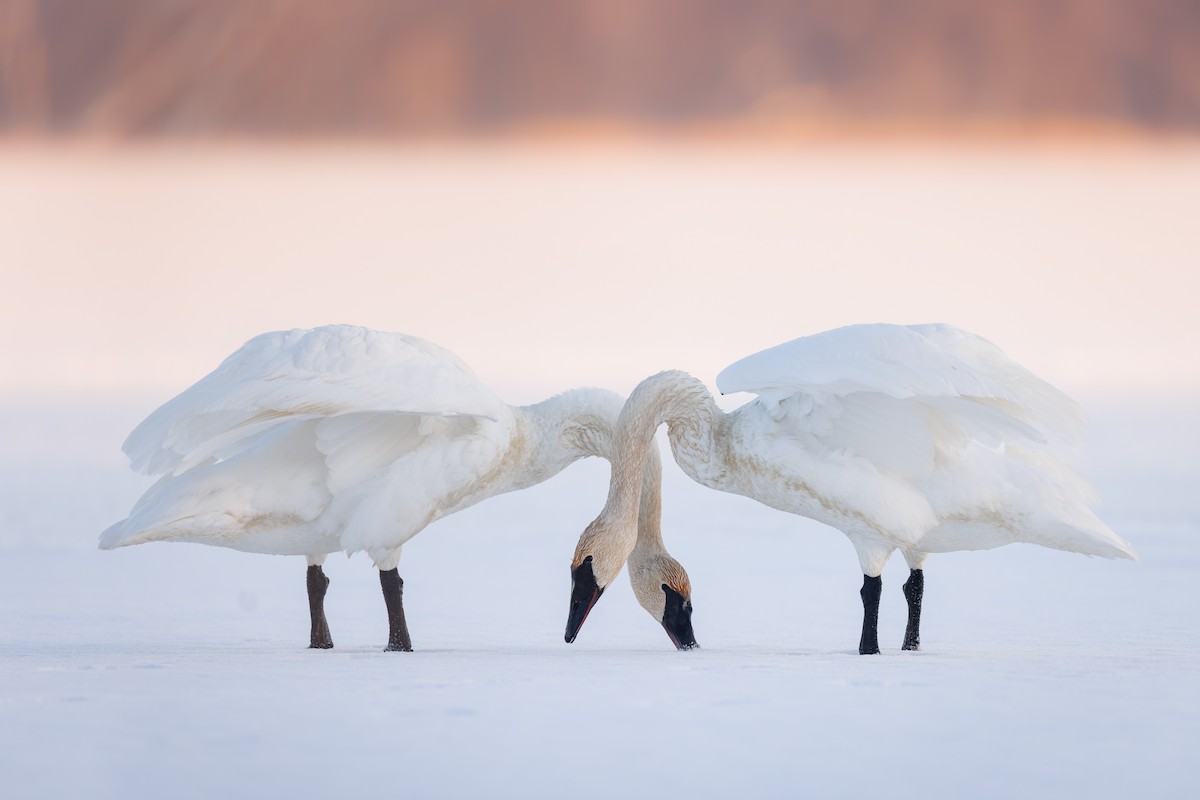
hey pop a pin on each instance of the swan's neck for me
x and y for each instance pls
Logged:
(581, 423)
(558, 431)
(687, 407)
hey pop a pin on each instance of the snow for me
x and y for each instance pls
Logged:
(180, 670)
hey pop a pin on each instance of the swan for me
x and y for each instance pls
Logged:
(921, 438)
(307, 442)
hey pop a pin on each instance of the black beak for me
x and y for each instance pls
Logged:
(584, 594)
(677, 619)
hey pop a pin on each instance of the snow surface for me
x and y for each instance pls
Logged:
(173, 670)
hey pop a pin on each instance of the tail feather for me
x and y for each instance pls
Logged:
(116, 535)
(1092, 543)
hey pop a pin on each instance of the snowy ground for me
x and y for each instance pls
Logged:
(181, 671)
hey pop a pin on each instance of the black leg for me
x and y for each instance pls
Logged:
(317, 584)
(393, 595)
(870, 592)
(914, 590)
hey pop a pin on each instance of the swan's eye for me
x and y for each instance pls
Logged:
(665, 587)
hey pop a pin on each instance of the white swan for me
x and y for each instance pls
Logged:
(921, 438)
(307, 442)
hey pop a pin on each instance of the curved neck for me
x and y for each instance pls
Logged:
(583, 422)
(686, 405)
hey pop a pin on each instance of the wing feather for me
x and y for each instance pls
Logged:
(895, 360)
(969, 381)
(291, 375)
(891, 420)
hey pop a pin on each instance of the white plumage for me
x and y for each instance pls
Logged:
(930, 435)
(922, 438)
(323, 372)
(308, 442)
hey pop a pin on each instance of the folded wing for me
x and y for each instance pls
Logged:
(864, 386)
(286, 376)
(928, 426)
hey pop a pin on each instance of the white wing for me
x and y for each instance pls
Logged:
(1020, 392)
(895, 360)
(287, 376)
(246, 501)
(914, 426)
(979, 392)
(313, 485)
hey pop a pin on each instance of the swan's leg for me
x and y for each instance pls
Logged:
(914, 590)
(319, 638)
(871, 557)
(871, 590)
(393, 595)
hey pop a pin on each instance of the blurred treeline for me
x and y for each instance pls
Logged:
(380, 68)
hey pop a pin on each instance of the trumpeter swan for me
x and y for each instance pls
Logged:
(307, 442)
(921, 438)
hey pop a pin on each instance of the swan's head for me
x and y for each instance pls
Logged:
(660, 582)
(598, 559)
(661, 585)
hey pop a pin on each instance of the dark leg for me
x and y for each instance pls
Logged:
(317, 584)
(914, 589)
(393, 595)
(872, 588)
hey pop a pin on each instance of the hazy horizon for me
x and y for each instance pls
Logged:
(140, 269)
